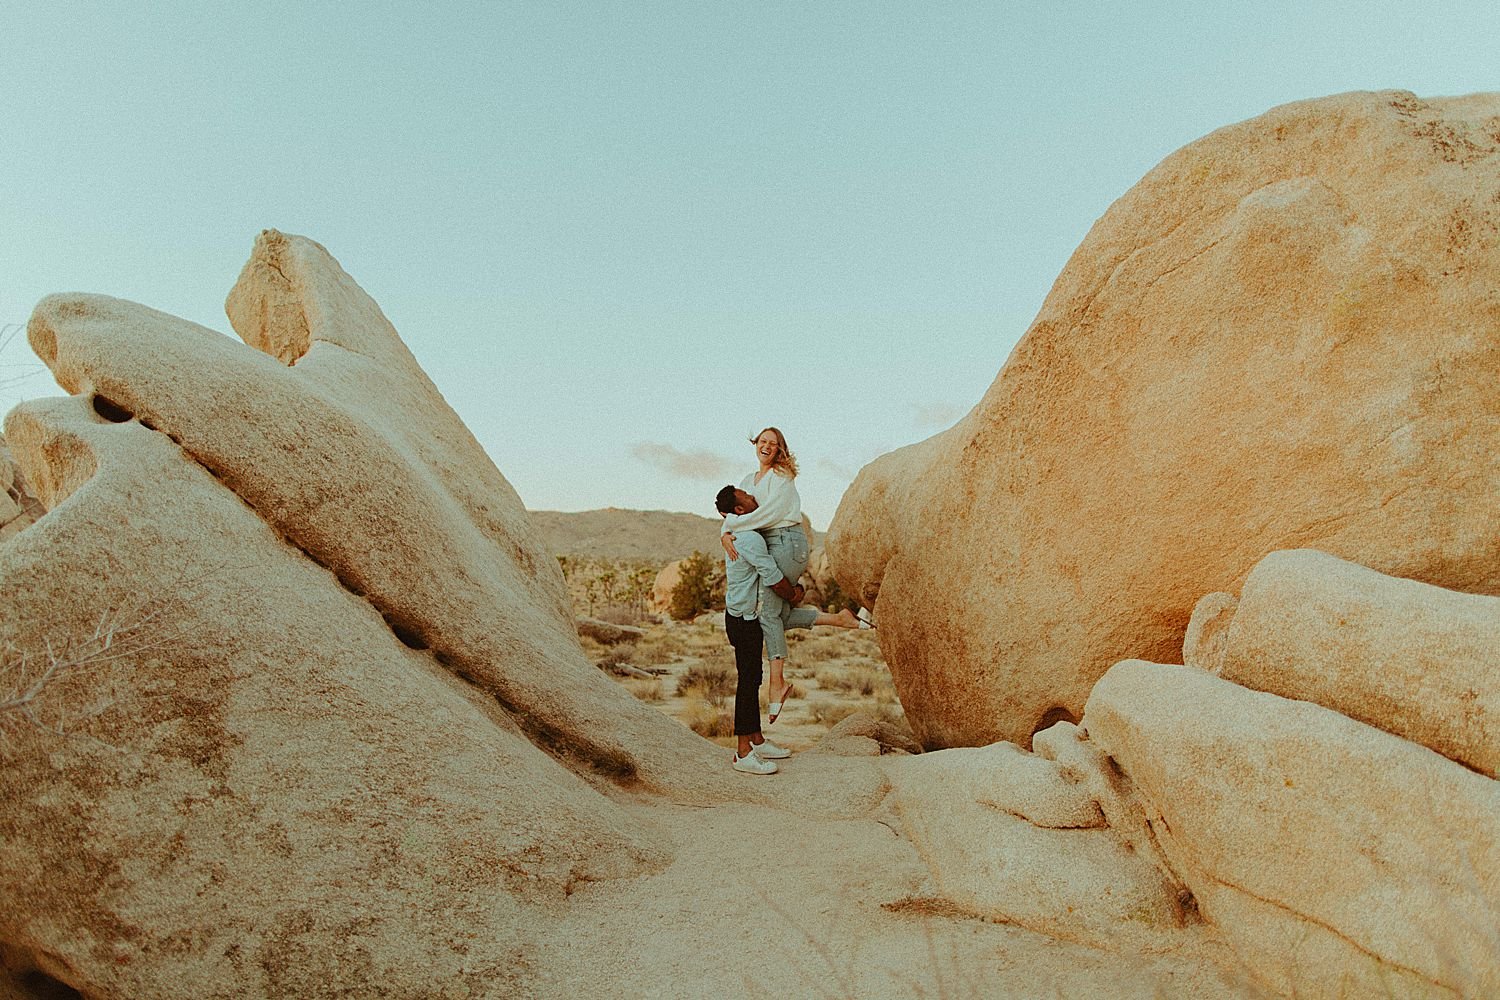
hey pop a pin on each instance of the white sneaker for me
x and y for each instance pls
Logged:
(752, 764)
(770, 751)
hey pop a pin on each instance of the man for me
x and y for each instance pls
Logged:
(743, 578)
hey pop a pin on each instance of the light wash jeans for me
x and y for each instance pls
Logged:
(788, 546)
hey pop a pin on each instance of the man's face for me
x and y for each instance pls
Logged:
(744, 503)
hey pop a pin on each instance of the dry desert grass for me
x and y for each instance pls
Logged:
(687, 670)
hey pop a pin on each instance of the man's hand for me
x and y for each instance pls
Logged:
(783, 589)
(727, 540)
(797, 594)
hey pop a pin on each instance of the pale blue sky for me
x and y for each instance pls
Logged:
(617, 232)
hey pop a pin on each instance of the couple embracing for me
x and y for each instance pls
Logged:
(765, 553)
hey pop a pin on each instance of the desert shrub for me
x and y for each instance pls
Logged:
(618, 656)
(621, 614)
(710, 681)
(694, 592)
(656, 649)
(834, 598)
(822, 648)
(708, 719)
(861, 680)
(646, 690)
(830, 713)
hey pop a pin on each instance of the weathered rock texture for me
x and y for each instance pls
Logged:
(1338, 860)
(1284, 336)
(18, 508)
(1407, 657)
(301, 751)
(1208, 630)
(1018, 837)
(266, 789)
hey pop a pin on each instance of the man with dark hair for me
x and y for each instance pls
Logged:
(743, 578)
(759, 599)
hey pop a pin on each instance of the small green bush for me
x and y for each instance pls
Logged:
(694, 591)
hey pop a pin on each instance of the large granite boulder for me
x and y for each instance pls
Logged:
(256, 740)
(1284, 336)
(253, 787)
(1407, 657)
(1336, 859)
(1018, 837)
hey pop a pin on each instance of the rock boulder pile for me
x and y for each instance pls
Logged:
(260, 743)
(1335, 856)
(1284, 336)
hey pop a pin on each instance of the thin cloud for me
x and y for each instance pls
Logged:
(704, 465)
(938, 414)
(833, 468)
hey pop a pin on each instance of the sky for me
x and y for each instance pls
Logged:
(623, 237)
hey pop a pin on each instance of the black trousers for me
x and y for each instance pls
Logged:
(748, 642)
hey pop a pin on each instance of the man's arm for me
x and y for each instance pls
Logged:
(752, 547)
(781, 503)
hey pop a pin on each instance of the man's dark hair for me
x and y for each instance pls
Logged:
(725, 500)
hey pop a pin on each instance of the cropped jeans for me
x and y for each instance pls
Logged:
(788, 546)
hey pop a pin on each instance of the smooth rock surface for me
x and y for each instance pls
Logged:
(1337, 859)
(256, 783)
(1407, 657)
(1283, 336)
(1005, 835)
(304, 751)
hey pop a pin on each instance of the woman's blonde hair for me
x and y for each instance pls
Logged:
(784, 462)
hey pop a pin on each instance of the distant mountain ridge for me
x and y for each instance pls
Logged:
(660, 536)
(613, 533)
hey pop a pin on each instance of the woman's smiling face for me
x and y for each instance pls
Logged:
(765, 447)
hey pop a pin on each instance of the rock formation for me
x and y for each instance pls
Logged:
(1337, 860)
(254, 742)
(18, 508)
(1335, 857)
(1282, 337)
(661, 590)
(283, 746)
(1407, 657)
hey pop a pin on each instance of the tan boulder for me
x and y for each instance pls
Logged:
(466, 579)
(256, 783)
(607, 632)
(863, 734)
(300, 750)
(1407, 657)
(18, 508)
(666, 582)
(1281, 337)
(1337, 860)
(1208, 631)
(1015, 836)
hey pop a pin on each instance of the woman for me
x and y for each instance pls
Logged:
(779, 518)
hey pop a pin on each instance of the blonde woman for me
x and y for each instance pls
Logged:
(777, 516)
